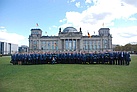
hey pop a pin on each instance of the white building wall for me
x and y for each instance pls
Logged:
(6, 48)
(14, 48)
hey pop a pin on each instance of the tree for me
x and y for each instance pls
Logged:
(127, 47)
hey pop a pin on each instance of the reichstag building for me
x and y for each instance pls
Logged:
(70, 39)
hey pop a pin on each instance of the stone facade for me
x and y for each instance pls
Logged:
(70, 40)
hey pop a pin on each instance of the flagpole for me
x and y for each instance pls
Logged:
(37, 24)
(103, 24)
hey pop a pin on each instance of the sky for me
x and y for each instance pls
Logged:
(18, 17)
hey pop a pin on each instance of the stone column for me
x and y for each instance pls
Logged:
(30, 45)
(72, 45)
(64, 45)
(76, 44)
(39, 45)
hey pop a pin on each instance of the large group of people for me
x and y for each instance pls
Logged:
(112, 58)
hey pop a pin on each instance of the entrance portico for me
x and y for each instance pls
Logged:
(70, 38)
(69, 44)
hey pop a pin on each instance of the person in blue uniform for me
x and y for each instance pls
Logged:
(13, 59)
(43, 56)
(25, 58)
(127, 58)
(91, 58)
(19, 59)
(75, 58)
(87, 58)
(101, 57)
(62, 58)
(29, 60)
(83, 58)
(121, 58)
(118, 58)
(106, 57)
(115, 58)
(66, 58)
(40, 58)
(59, 58)
(53, 60)
(111, 58)
(50, 58)
(69, 58)
(72, 58)
(34, 58)
(78, 58)
(22, 58)
(95, 58)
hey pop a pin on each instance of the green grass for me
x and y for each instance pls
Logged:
(67, 77)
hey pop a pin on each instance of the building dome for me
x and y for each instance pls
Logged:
(70, 29)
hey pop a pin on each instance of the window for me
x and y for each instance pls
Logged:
(98, 46)
(74, 45)
(90, 47)
(42, 48)
(86, 45)
(42, 42)
(98, 42)
(95, 47)
(52, 46)
(105, 46)
(66, 44)
(34, 47)
(49, 45)
(34, 42)
(84, 42)
(105, 41)
(91, 42)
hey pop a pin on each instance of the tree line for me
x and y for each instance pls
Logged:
(132, 48)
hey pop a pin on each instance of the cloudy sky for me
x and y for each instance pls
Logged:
(17, 17)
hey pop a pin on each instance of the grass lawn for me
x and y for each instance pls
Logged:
(67, 77)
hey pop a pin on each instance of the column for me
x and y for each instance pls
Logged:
(76, 44)
(68, 45)
(64, 44)
(72, 45)
(30, 45)
(39, 45)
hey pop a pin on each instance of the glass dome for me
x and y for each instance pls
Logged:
(70, 29)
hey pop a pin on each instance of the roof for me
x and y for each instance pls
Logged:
(49, 36)
(91, 36)
(104, 29)
(36, 29)
(70, 29)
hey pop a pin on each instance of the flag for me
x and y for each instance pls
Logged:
(89, 35)
(55, 44)
(103, 24)
(37, 24)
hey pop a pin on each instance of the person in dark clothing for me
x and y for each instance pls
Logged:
(53, 60)
(127, 58)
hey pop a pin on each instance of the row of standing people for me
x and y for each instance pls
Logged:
(113, 58)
